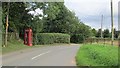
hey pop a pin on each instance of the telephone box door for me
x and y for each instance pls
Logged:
(28, 37)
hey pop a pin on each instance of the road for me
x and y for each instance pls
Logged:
(43, 56)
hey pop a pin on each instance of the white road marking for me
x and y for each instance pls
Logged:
(40, 54)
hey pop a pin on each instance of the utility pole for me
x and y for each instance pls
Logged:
(6, 31)
(101, 26)
(112, 23)
(119, 25)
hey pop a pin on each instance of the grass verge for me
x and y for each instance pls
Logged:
(14, 45)
(97, 55)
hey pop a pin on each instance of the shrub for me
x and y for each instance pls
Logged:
(97, 55)
(50, 38)
(77, 38)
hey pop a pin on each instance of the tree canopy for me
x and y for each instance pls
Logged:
(53, 18)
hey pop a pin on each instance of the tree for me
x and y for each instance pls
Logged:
(106, 33)
(94, 32)
(18, 16)
(98, 33)
(116, 33)
(37, 25)
(84, 30)
(55, 21)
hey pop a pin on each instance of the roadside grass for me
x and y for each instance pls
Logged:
(14, 45)
(97, 55)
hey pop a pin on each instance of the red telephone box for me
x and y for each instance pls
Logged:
(28, 37)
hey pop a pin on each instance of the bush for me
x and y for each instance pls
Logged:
(97, 55)
(77, 38)
(50, 38)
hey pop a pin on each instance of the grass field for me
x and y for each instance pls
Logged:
(97, 55)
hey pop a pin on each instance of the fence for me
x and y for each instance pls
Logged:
(101, 41)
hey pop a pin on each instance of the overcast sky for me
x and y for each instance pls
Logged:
(90, 12)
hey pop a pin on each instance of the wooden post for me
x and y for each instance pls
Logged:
(6, 32)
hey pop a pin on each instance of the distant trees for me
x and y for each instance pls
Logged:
(98, 34)
(94, 32)
(116, 33)
(106, 33)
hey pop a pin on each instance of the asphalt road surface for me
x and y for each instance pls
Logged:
(43, 56)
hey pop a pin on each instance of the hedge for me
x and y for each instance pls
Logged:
(50, 38)
(77, 38)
